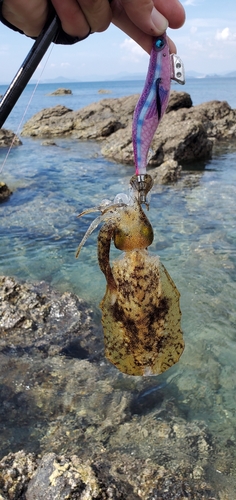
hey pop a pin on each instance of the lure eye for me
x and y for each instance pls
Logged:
(159, 43)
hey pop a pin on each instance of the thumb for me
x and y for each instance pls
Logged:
(147, 18)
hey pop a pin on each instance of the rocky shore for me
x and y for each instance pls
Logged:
(8, 138)
(74, 427)
(186, 134)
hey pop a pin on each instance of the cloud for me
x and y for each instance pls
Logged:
(132, 50)
(225, 35)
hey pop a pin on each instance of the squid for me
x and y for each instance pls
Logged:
(141, 315)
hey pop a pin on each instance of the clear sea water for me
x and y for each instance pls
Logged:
(195, 235)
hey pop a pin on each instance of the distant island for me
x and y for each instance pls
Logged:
(137, 76)
(125, 77)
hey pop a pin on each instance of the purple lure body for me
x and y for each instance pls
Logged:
(152, 103)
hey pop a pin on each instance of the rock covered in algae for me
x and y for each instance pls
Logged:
(141, 317)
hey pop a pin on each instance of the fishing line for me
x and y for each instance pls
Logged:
(26, 109)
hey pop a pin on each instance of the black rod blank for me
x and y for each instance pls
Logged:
(27, 69)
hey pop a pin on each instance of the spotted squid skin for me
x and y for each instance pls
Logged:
(152, 103)
(142, 318)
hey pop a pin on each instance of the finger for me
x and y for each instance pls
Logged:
(122, 21)
(72, 18)
(173, 10)
(147, 17)
(97, 12)
(154, 16)
(29, 17)
(78, 17)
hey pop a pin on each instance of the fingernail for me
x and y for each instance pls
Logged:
(160, 22)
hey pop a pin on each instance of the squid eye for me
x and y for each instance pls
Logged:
(159, 43)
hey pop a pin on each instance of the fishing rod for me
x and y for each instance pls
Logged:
(26, 70)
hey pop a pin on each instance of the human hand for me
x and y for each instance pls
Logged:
(78, 19)
(140, 19)
(144, 19)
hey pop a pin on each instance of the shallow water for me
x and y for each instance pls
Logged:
(195, 236)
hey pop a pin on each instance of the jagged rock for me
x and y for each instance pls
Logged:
(217, 117)
(50, 122)
(119, 146)
(179, 100)
(8, 138)
(35, 319)
(169, 171)
(62, 478)
(92, 122)
(55, 477)
(5, 192)
(61, 91)
(69, 477)
(180, 139)
(103, 119)
(175, 139)
(16, 470)
(186, 133)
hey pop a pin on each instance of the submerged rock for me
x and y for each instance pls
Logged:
(49, 142)
(8, 138)
(5, 192)
(72, 426)
(35, 319)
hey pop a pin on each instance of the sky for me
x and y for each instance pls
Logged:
(206, 44)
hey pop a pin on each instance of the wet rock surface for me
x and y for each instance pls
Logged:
(54, 476)
(75, 427)
(8, 138)
(169, 171)
(37, 319)
(5, 191)
(186, 132)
